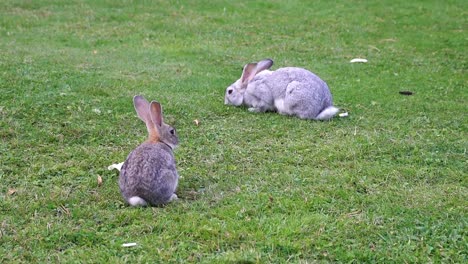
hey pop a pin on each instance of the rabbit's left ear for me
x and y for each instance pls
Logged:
(248, 74)
(141, 107)
(264, 65)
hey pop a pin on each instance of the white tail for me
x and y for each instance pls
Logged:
(136, 201)
(327, 113)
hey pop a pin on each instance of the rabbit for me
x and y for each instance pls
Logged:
(289, 91)
(148, 175)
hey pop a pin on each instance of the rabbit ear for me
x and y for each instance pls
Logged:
(264, 65)
(143, 111)
(156, 114)
(248, 74)
(141, 107)
(251, 69)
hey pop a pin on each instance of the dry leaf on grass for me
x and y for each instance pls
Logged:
(11, 191)
(116, 166)
(99, 180)
(129, 244)
(196, 122)
(358, 60)
(406, 92)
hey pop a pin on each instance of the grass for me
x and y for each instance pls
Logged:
(387, 184)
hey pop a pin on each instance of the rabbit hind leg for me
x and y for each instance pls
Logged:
(297, 100)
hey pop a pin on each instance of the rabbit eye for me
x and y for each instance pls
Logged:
(172, 131)
(230, 91)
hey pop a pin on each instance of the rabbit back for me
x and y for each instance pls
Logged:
(149, 173)
(296, 91)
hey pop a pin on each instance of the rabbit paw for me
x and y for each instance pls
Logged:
(173, 197)
(254, 110)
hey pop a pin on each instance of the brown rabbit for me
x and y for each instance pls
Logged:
(148, 175)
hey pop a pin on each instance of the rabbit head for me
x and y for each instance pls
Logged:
(235, 92)
(151, 114)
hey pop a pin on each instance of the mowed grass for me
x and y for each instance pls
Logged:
(386, 184)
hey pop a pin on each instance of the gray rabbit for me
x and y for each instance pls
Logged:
(289, 91)
(148, 175)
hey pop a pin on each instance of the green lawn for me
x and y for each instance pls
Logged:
(388, 184)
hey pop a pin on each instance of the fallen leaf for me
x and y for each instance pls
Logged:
(99, 180)
(117, 166)
(358, 60)
(11, 191)
(406, 92)
(196, 122)
(129, 244)
(94, 51)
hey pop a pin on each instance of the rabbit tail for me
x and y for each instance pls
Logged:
(136, 201)
(327, 113)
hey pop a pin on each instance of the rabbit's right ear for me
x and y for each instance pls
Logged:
(156, 114)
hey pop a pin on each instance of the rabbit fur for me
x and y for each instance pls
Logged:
(148, 175)
(289, 91)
